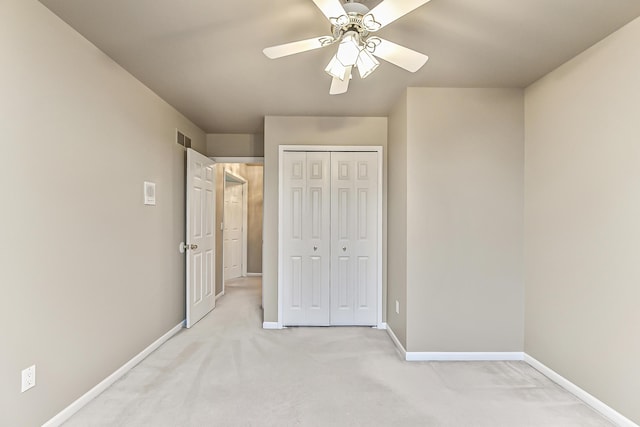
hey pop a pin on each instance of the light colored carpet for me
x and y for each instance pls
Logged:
(228, 371)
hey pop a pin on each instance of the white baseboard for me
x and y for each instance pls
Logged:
(422, 356)
(599, 406)
(67, 412)
(396, 341)
(254, 274)
(463, 356)
(382, 325)
(221, 294)
(271, 325)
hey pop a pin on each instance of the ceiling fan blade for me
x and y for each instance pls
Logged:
(401, 56)
(340, 86)
(330, 8)
(390, 10)
(279, 51)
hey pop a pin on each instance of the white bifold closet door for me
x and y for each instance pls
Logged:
(330, 237)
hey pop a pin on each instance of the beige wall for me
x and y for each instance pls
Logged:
(235, 145)
(397, 219)
(308, 131)
(89, 276)
(582, 220)
(464, 219)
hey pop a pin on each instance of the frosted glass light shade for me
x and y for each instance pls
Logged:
(366, 63)
(349, 49)
(336, 69)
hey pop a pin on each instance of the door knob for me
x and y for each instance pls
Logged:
(315, 248)
(344, 249)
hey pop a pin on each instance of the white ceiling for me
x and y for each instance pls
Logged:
(205, 57)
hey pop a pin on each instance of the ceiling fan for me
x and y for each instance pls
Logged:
(352, 25)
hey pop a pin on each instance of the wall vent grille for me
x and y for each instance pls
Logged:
(183, 140)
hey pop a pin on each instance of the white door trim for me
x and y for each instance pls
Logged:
(245, 200)
(245, 226)
(281, 150)
(238, 159)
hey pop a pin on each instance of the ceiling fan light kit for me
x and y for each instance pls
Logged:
(351, 26)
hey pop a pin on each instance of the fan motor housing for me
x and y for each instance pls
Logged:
(355, 13)
(355, 7)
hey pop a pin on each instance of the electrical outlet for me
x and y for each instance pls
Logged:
(28, 378)
(397, 307)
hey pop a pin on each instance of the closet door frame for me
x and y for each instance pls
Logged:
(327, 148)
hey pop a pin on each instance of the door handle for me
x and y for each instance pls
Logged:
(185, 247)
(344, 249)
(315, 248)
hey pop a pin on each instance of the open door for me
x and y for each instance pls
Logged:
(201, 236)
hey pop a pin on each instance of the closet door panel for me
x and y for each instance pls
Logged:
(306, 234)
(342, 221)
(354, 238)
(293, 214)
(316, 237)
(366, 237)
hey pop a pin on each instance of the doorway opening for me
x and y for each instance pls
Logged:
(239, 212)
(234, 226)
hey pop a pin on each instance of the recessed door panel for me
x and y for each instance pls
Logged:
(296, 282)
(209, 273)
(362, 275)
(363, 211)
(343, 219)
(342, 285)
(297, 166)
(316, 212)
(296, 213)
(197, 283)
(316, 171)
(316, 283)
(363, 170)
(209, 216)
(197, 213)
(343, 169)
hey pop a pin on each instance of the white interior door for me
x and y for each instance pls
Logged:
(233, 229)
(306, 238)
(354, 238)
(200, 230)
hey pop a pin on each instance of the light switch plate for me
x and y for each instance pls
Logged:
(149, 193)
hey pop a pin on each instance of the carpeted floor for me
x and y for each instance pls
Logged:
(228, 371)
